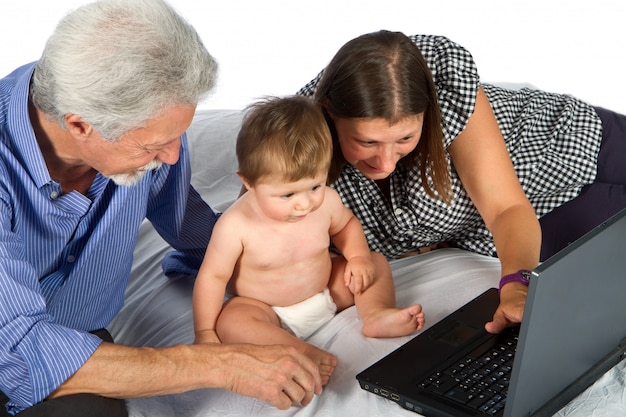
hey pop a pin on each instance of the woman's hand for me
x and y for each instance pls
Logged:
(511, 309)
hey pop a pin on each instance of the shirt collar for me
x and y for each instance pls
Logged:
(21, 131)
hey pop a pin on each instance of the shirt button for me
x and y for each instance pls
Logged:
(399, 212)
(54, 195)
(71, 258)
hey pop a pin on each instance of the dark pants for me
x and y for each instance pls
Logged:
(596, 202)
(77, 405)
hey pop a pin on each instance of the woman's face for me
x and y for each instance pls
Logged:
(374, 146)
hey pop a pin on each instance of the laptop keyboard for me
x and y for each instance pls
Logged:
(478, 381)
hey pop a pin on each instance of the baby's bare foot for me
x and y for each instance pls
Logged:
(393, 322)
(325, 362)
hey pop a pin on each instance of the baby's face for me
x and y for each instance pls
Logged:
(289, 201)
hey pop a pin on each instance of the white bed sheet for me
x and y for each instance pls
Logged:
(157, 311)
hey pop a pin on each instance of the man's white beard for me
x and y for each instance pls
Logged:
(133, 178)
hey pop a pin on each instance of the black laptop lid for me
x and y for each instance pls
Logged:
(574, 317)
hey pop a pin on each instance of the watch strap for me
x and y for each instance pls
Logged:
(522, 276)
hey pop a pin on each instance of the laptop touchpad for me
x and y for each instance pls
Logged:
(456, 333)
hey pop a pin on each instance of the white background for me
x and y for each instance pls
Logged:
(273, 47)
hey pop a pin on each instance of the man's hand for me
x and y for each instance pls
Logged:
(280, 375)
(277, 374)
(511, 309)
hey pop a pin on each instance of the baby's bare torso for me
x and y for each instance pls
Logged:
(284, 263)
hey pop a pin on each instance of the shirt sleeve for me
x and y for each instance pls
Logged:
(309, 89)
(456, 79)
(181, 217)
(36, 354)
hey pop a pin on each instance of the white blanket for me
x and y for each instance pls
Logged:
(157, 311)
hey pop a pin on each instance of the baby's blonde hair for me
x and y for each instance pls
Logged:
(286, 137)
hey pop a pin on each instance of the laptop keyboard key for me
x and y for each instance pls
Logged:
(443, 385)
(477, 401)
(458, 396)
(480, 384)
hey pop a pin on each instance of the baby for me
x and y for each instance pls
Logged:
(270, 249)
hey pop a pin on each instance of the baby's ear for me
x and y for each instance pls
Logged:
(246, 185)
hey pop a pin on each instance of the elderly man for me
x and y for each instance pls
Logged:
(92, 141)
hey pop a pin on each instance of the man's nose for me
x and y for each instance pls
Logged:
(170, 154)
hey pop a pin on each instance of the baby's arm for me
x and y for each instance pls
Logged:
(348, 236)
(220, 258)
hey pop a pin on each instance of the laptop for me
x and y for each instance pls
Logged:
(573, 331)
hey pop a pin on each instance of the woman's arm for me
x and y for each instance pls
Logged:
(482, 162)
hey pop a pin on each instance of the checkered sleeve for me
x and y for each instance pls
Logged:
(456, 80)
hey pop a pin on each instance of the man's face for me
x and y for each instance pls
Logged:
(136, 152)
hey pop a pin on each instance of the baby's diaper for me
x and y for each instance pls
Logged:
(304, 318)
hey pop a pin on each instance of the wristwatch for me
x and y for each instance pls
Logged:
(522, 276)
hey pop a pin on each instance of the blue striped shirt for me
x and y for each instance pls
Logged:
(65, 258)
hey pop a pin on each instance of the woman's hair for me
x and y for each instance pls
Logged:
(286, 137)
(120, 63)
(384, 75)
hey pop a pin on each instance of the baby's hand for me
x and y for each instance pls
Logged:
(207, 336)
(359, 273)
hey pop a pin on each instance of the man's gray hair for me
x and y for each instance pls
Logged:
(119, 63)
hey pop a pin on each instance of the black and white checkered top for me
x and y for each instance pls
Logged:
(553, 141)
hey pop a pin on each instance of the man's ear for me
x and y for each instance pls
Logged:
(78, 127)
